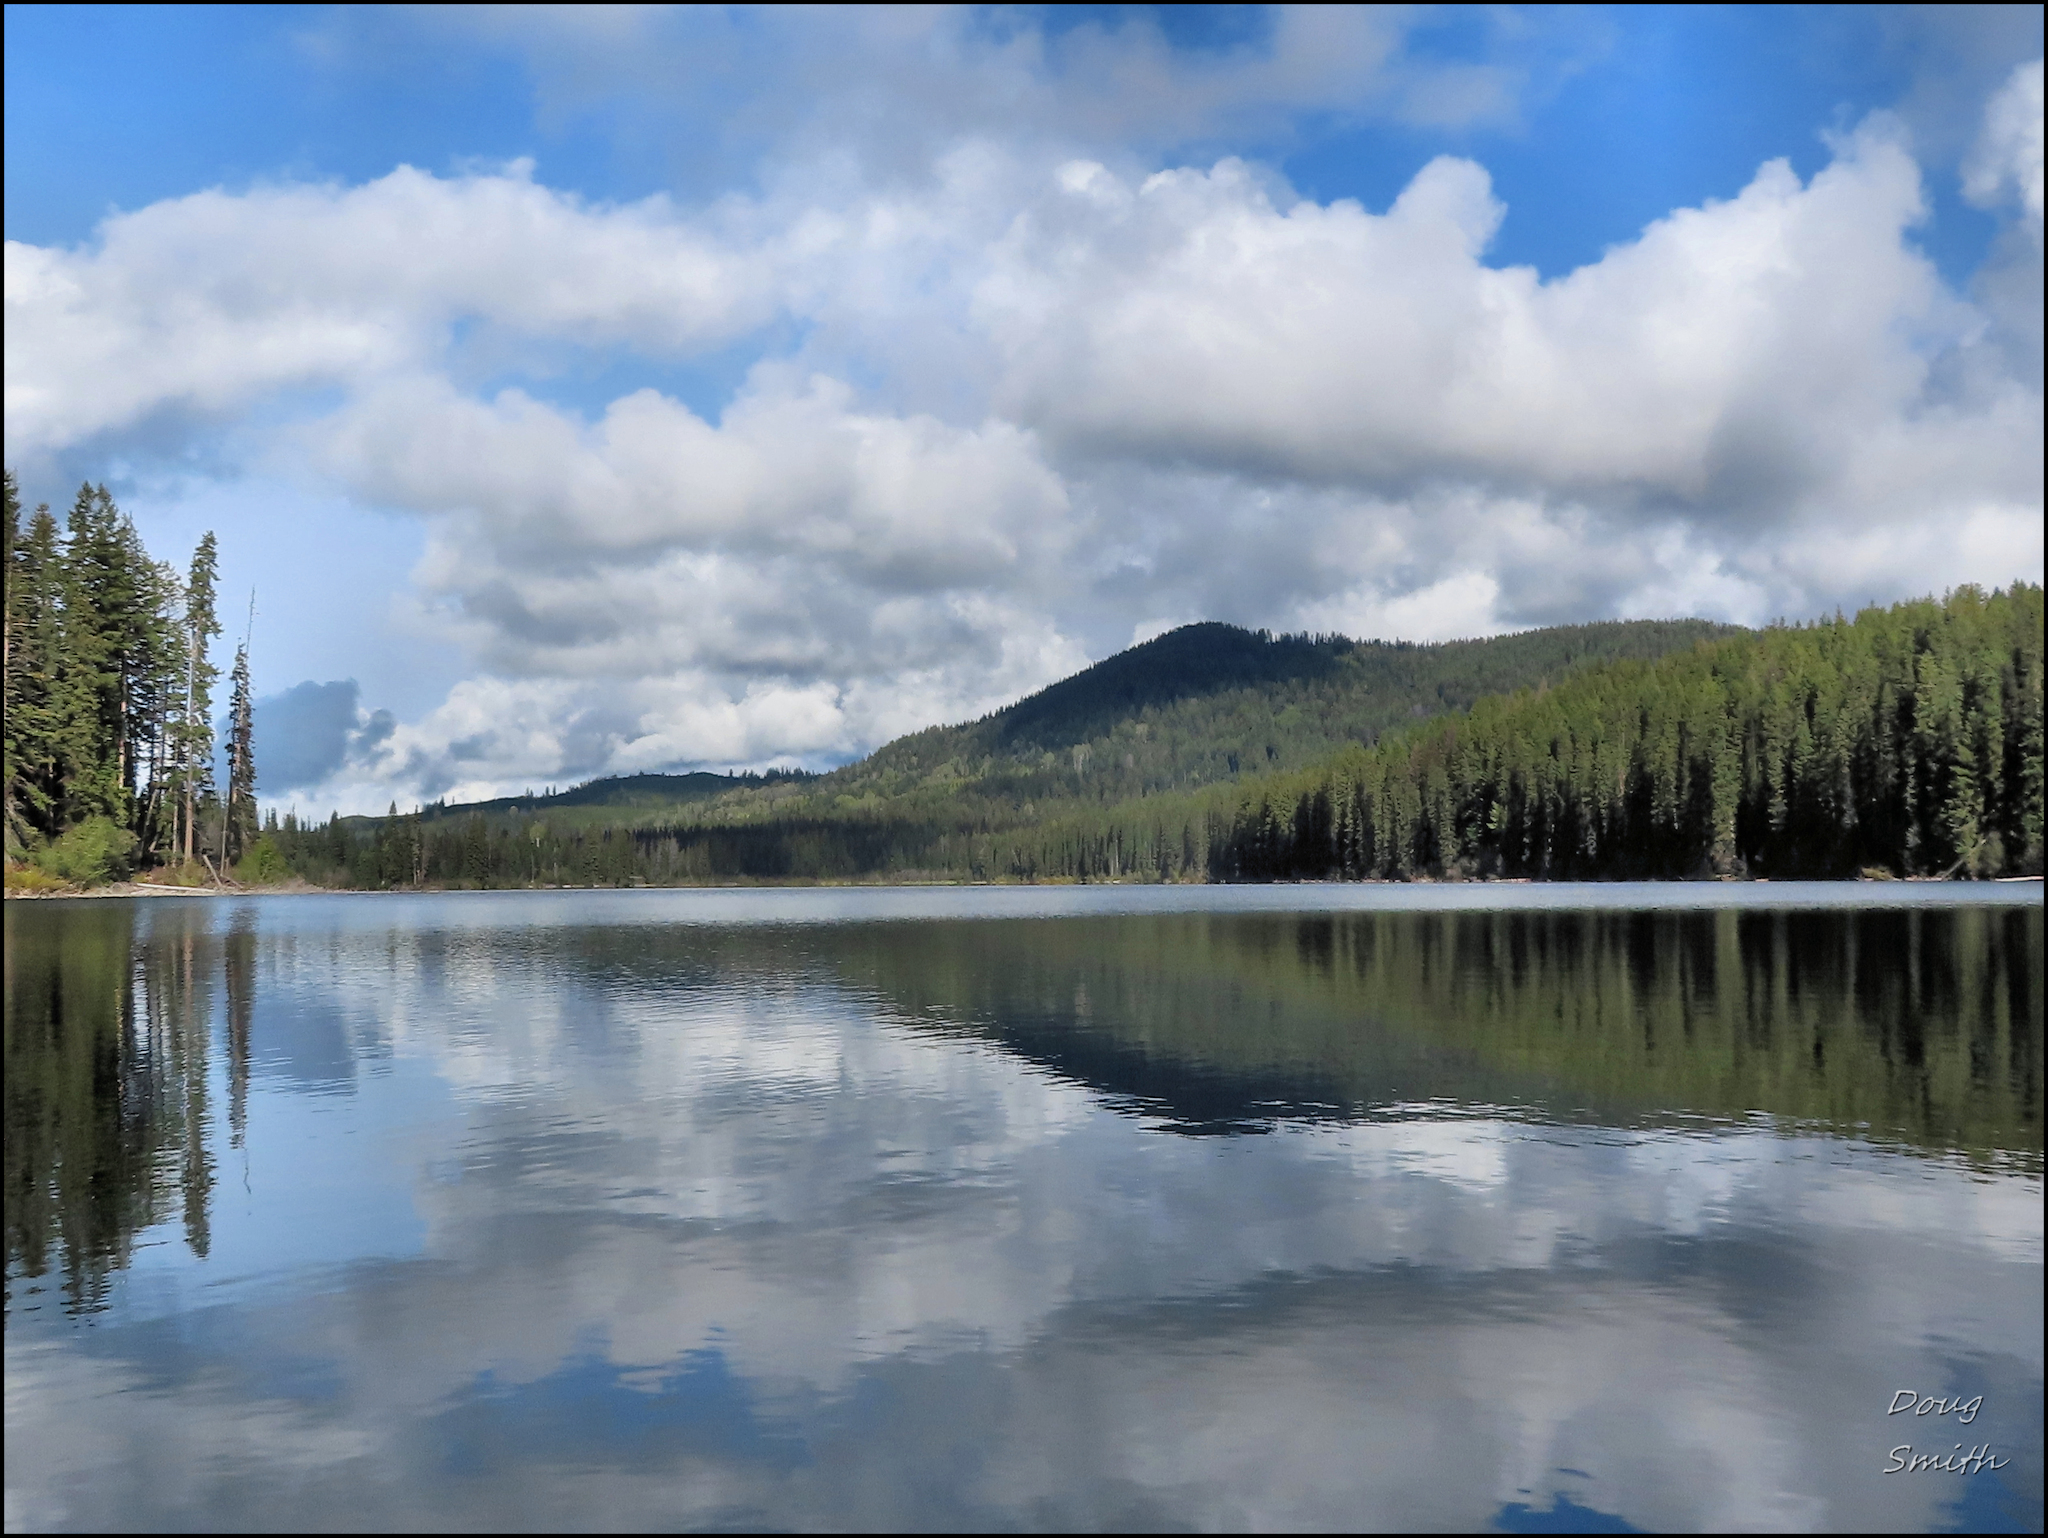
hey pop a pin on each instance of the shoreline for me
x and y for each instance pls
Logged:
(297, 888)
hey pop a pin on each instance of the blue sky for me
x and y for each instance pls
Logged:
(736, 387)
(116, 107)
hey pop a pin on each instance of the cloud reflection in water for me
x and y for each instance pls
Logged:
(793, 1227)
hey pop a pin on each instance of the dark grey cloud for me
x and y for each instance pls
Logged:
(308, 732)
(1956, 56)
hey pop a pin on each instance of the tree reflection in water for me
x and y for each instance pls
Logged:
(1916, 1027)
(109, 1125)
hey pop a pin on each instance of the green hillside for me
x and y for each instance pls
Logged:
(625, 793)
(1208, 703)
(1908, 740)
(1172, 724)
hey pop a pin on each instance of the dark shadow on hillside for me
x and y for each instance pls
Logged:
(1187, 663)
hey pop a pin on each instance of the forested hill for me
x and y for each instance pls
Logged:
(1200, 705)
(1189, 712)
(1191, 662)
(1202, 660)
(624, 793)
(1907, 741)
(1210, 702)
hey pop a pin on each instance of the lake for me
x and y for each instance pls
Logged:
(1417, 1208)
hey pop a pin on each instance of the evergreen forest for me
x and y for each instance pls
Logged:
(1905, 742)
(109, 695)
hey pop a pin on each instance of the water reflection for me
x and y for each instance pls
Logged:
(107, 1105)
(530, 1223)
(1919, 1025)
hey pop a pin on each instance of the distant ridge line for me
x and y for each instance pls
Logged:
(1196, 661)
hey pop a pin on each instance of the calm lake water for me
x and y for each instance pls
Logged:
(1528, 1208)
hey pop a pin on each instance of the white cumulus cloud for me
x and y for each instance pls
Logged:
(213, 302)
(2007, 158)
(1033, 404)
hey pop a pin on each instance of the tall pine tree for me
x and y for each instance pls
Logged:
(107, 681)
(194, 748)
(238, 830)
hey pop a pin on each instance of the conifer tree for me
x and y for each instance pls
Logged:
(13, 660)
(35, 610)
(239, 825)
(92, 673)
(195, 725)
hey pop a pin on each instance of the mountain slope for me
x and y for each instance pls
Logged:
(1907, 740)
(1210, 702)
(1056, 783)
(660, 793)
(1192, 662)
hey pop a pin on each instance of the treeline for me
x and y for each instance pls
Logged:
(1908, 741)
(109, 686)
(480, 851)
